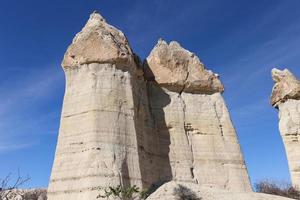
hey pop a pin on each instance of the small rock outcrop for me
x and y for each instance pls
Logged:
(196, 135)
(182, 191)
(286, 97)
(24, 194)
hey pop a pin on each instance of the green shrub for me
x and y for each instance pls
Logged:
(119, 192)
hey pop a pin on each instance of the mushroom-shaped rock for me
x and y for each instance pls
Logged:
(286, 86)
(98, 42)
(99, 137)
(286, 97)
(179, 70)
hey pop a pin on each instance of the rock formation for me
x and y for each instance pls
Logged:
(286, 97)
(195, 132)
(181, 191)
(127, 124)
(97, 144)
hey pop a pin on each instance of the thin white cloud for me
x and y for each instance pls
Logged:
(5, 147)
(21, 121)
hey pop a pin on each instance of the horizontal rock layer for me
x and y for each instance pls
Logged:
(97, 144)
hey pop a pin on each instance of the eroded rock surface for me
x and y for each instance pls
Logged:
(179, 70)
(119, 129)
(285, 97)
(98, 42)
(180, 191)
(197, 139)
(286, 86)
(98, 142)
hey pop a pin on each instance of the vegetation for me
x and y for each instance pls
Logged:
(184, 193)
(119, 192)
(276, 188)
(7, 189)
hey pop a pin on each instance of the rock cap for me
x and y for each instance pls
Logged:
(286, 87)
(179, 70)
(98, 42)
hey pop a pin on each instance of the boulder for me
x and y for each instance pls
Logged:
(189, 191)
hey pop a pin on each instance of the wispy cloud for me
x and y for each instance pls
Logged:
(22, 121)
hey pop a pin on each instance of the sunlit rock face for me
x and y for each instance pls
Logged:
(98, 140)
(286, 97)
(176, 190)
(286, 87)
(127, 124)
(179, 70)
(196, 137)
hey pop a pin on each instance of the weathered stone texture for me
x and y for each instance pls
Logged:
(197, 139)
(178, 190)
(289, 126)
(286, 86)
(286, 97)
(97, 144)
(118, 129)
(98, 42)
(177, 69)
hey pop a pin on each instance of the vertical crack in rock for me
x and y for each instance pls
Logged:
(219, 119)
(286, 97)
(188, 137)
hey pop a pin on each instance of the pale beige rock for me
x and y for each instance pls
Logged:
(197, 140)
(289, 126)
(286, 86)
(180, 191)
(177, 69)
(98, 139)
(116, 129)
(98, 42)
(285, 97)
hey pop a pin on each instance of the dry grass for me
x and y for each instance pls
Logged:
(277, 188)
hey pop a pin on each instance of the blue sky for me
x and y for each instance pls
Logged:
(238, 39)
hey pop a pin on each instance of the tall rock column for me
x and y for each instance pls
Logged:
(286, 97)
(198, 142)
(97, 143)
